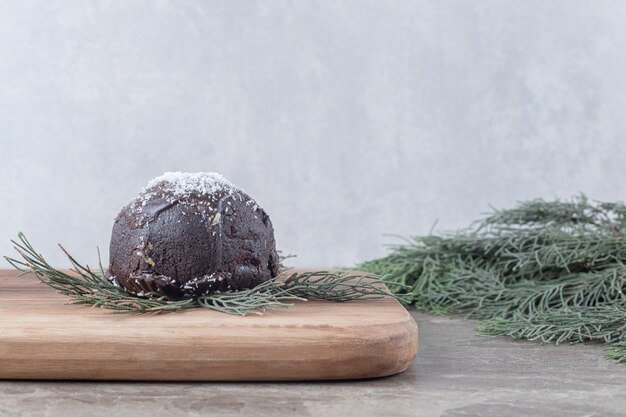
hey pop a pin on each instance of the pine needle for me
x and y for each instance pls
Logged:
(553, 271)
(617, 352)
(86, 286)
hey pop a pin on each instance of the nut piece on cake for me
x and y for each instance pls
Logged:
(192, 234)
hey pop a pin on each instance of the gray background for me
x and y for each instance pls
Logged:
(346, 120)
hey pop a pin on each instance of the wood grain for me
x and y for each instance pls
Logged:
(41, 337)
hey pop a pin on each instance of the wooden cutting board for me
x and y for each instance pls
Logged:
(41, 337)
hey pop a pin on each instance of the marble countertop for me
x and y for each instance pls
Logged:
(456, 373)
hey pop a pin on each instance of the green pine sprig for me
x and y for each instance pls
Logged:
(85, 285)
(553, 271)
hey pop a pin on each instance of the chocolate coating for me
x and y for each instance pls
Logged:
(192, 245)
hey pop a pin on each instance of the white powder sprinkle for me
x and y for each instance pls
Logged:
(183, 184)
(197, 192)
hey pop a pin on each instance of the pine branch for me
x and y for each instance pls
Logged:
(587, 324)
(86, 286)
(553, 271)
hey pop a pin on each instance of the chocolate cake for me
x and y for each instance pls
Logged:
(191, 234)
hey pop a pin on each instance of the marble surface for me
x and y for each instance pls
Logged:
(456, 373)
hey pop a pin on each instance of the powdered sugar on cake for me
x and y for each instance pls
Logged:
(183, 184)
(190, 189)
